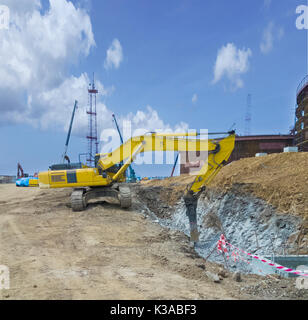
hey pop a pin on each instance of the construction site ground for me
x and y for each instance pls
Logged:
(107, 252)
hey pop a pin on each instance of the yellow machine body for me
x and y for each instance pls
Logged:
(33, 182)
(86, 177)
(108, 172)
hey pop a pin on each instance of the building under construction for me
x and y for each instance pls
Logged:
(301, 122)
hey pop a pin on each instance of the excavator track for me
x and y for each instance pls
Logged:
(125, 197)
(81, 196)
(78, 200)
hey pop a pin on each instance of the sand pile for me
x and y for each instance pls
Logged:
(280, 179)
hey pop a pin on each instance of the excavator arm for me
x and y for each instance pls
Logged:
(219, 152)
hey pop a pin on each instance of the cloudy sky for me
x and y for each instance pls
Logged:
(163, 65)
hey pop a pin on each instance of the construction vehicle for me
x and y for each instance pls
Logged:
(20, 172)
(107, 178)
(24, 179)
(132, 175)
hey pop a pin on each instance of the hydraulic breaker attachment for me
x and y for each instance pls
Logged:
(191, 201)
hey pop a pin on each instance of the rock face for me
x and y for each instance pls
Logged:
(247, 222)
(153, 198)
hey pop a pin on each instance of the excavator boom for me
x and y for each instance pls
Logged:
(218, 152)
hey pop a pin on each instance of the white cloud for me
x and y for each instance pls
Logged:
(36, 87)
(231, 62)
(149, 120)
(114, 55)
(35, 54)
(270, 34)
(58, 104)
(138, 123)
(22, 6)
(194, 98)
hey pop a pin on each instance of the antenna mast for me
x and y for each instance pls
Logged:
(248, 116)
(92, 125)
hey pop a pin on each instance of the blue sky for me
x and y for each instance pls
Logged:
(169, 50)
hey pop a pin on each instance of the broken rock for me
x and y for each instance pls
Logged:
(212, 276)
(237, 277)
(222, 273)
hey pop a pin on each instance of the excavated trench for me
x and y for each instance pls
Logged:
(247, 222)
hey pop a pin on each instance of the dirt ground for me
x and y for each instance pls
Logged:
(102, 253)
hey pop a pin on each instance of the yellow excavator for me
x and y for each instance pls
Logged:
(107, 178)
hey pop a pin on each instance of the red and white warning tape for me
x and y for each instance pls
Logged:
(222, 248)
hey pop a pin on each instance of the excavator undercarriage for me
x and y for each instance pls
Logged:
(81, 196)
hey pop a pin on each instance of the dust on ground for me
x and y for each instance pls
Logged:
(105, 253)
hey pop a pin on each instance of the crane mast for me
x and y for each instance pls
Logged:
(64, 156)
